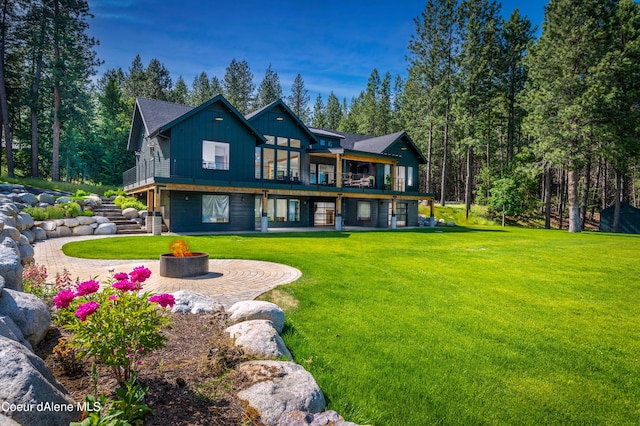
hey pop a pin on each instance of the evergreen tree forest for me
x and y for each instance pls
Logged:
(518, 123)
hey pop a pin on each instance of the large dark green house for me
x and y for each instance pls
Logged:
(209, 169)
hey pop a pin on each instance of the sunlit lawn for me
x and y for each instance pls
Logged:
(453, 326)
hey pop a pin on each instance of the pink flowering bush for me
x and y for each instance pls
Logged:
(118, 324)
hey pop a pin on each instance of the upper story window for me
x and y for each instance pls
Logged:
(279, 162)
(215, 155)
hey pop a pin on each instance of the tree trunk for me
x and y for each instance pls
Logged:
(574, 206)
(596, 189)
(561, 198)
(547, 197)
(429, 154)
(616, 208)
(4, 102)
(445, 148)
(35, 94)
(467, 186)
(585, 193)
(57, 101)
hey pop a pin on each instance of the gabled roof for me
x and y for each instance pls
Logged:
(324, 132)
(257, 113)
(155, 113)
(378, 144)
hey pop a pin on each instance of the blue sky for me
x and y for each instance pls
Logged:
(333, 44)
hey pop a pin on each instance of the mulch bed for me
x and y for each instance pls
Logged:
(192, 381)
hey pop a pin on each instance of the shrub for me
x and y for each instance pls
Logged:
(37, 213)
(81, 193)
(112, 192)
(55, 212)
(116, 325)
(127, 202)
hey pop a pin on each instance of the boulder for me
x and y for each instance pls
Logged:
(52, 234)
(26, 254)
(301, 418)
(39, 233)
(26, 382)
(452, 223)
(256, 309)
(61, 200)
(106, 229)
(142, 214)
(278, 388)
(47, 198)
(28, 198)
(71, 222)
(189, 302)
(29, 235)
(85, 220)
(10, 330)
(11, 243)
(10, 268)
(64, 231)
(28, 312)
(10, 231)
(27, 219)
(49, 225)
(100, 219)
(82, 230)
(7, 219)
(130, 213)
(259, 338)
(20, 225)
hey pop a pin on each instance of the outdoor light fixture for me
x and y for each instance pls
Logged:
(218, 117)
(279, 118)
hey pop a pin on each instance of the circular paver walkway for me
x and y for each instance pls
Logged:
(229, 280)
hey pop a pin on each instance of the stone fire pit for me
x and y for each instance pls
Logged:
(184, 266)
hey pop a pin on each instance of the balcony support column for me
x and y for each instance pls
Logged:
(394, 219)
(264, 220)
(338, 223)
(157, 213)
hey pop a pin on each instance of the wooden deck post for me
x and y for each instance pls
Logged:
(432, 218)
(338, 171)
(150, 210)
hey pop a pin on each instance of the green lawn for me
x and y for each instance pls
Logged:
(453, 326)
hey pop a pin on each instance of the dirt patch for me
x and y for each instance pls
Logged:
(192, 381)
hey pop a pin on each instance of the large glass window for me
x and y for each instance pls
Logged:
(294, 166)
(364, 210)
(282, 141)
(294, 210)
(409, 176)
(324, 213)
(268, 163)
(215, 208)
(279, 209)
(215, 155)
(294, 143)
(283, 171)
(258, 162)
(326, 174)
(401, 178)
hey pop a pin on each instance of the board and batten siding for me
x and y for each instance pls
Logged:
(186, 213)
(186, 146)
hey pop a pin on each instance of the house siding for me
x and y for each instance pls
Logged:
(186, 213)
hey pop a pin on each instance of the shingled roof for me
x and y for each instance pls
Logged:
(156, 114)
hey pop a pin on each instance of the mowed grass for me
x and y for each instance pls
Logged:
(453, 326)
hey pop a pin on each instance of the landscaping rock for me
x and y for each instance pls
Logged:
(10, 231)
(28, 312)
(10, 268)
(259, 338)
(61, 200)
(82, 230)
(106, 229)
(10, 330)
(301, 418)
(26, 253)
(255, 310)
(64, 231)
(7, 219)
(28, 198)
(71, 222)
(46, 198)
(100, 219)
(85, 220)
(29, 235)
(25, 380)
(278, 388)
(20, 225)
(27, 219)
(190, 302)
(49, 225)
(52, 234)
(130, 213)
(39, 233)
